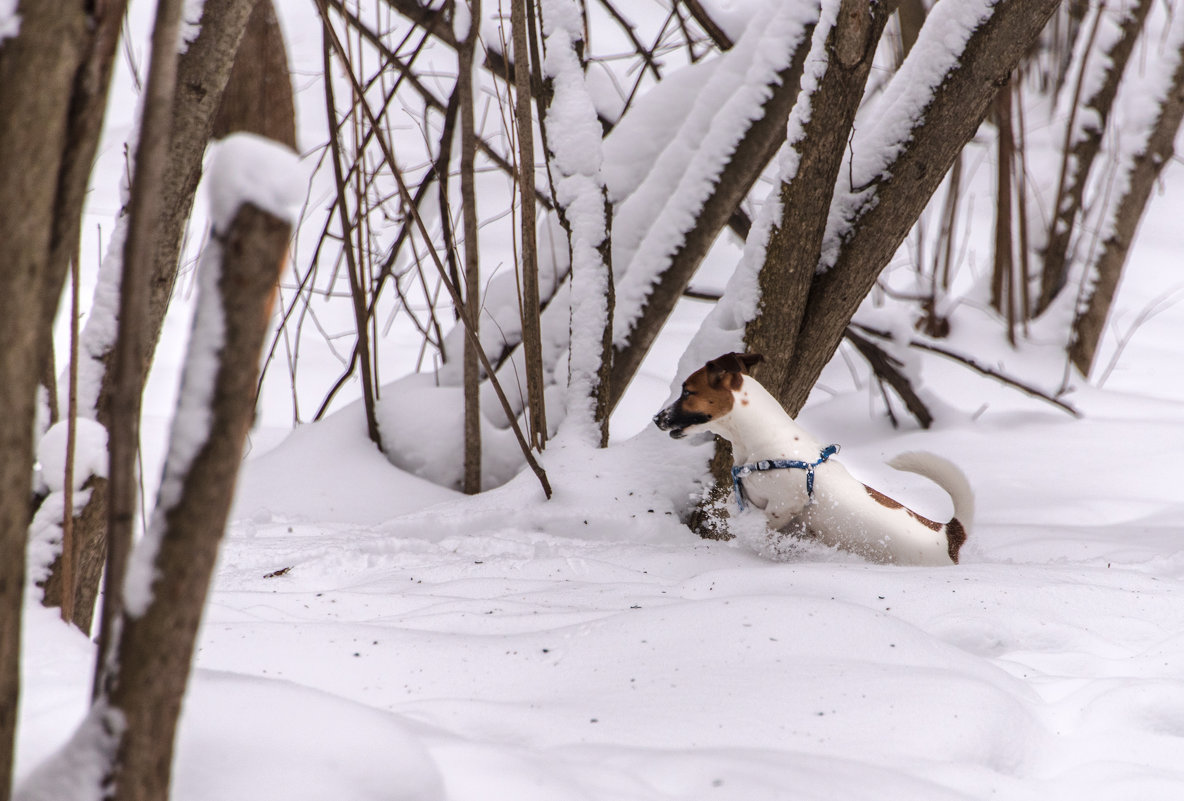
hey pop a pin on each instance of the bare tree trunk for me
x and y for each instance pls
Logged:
(950, 118)
(911, 16)
(38, 70)
(1106, 271)
(353, 246)
(532, 347)
(127, 371)
(88, 105)
(1078, 154)
(146, 680)
(749, 158)
(468, 151)
(795, 241)
(202, 73)
(1003, 275)
(258, 97)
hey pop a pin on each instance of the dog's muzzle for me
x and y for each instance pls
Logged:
(675, 421)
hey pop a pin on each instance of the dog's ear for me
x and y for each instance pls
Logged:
(726, 370)
(749, 360)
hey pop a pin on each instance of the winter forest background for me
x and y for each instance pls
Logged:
(457, 561)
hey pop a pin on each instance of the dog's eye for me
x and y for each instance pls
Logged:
(686, 393)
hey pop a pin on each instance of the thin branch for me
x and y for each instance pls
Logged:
(453, 290)
(1027, 389)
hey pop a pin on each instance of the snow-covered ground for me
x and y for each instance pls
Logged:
(370, 635)
(423, 645)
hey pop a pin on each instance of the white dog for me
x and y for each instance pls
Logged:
(789, 475)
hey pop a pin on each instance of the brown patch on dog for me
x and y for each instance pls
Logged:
(892, 503)
(709, 393)
(709, 389)
(955, 536)
(882, 499)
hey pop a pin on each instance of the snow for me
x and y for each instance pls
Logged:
(574, 136)
(90, 454)
(190, 25)
(370, 634)
(10, 21)
(695, 154)
(885, 126)
(80, 768)
(245, 168)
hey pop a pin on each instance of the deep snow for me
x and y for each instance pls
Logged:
(371, 635)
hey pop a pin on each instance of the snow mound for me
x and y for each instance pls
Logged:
(272, 740)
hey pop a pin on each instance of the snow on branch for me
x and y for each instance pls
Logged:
(10, 21)
(574, 139)
(885, 129)
(687, 170)
(246, 169)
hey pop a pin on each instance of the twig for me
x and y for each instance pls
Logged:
(453, 291)
(887, 370)
(1027, 389)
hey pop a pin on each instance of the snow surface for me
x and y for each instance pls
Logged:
(245, 168)
(190, 23)
(90, 454)
(576, 159)
(10, 21)
(372, 635)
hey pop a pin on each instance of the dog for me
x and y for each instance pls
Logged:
(791, 477)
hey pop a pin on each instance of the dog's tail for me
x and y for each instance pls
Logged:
(946, 475)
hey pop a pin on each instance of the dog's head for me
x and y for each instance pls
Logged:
(707, 394)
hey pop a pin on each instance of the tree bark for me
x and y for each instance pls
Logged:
(258, 97)
(532, 347)
(202, 72)
(126, 370)
(795, 242)
(468, 151)
(151, 669)
(38, 70)
(1107, 269)
(949, 120)
(750, 157)
(911, 16)
(1078, 156)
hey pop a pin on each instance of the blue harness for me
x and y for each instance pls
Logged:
(742, 470)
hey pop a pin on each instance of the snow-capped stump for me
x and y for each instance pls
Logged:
(90, 454)
(252, 188)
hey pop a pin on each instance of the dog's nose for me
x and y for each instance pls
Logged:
(660, 418)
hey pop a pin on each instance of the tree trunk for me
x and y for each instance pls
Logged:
(1141, 177)
(258, 97)
(38, 70)
(151, 667)
(586, 216)
(1003, 275)
(950, 118)
(126, 371)
(202, 73)
(1078, 153)
(532, 347)
(468, 151)
(795, 242)
(748, 160)
(911, 16)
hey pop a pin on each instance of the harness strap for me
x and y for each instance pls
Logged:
(742, 470)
